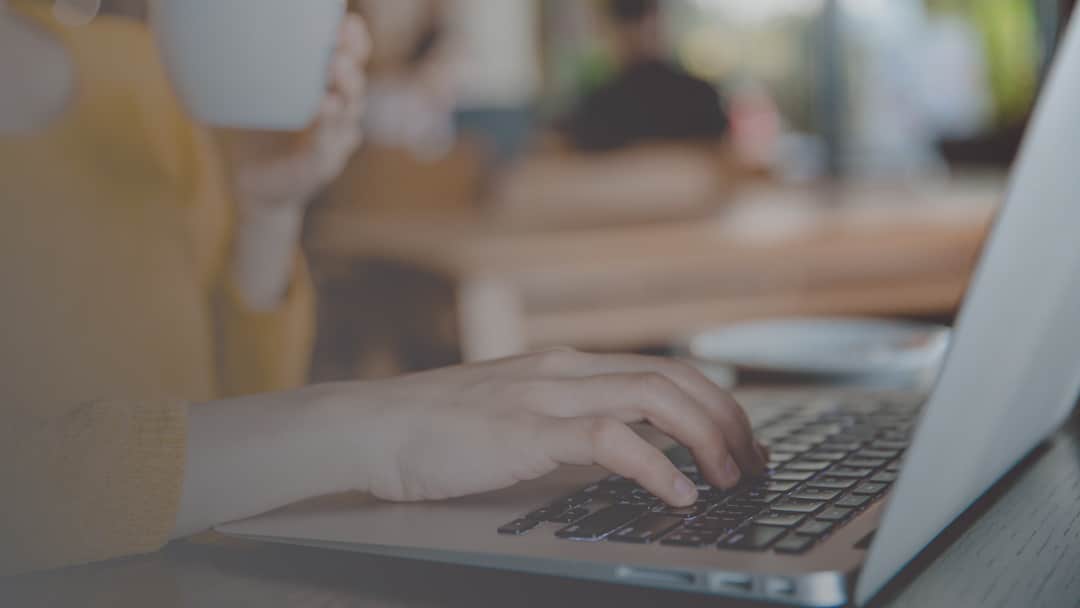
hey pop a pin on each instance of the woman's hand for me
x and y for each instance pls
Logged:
(275, 176)
(485, 427)
(461, 431)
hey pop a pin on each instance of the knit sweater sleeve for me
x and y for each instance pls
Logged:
(88, 482)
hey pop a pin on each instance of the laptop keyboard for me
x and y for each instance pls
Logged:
(830, 461)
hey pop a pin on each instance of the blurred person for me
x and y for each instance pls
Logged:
(410, 98)
(156, 315)
(650, 99)
(497, 73)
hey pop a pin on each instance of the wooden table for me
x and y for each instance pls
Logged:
(1020, 546)
(774, 251)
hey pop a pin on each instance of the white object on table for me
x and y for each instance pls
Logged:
(827, 347)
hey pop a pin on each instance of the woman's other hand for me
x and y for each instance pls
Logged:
(275, 176)
(271, 171)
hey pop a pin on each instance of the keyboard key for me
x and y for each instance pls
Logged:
(805, 437)
(835, 514)
(546, 514)
(518, 527)
(853, 501)
(600, 524)
(789, 505)
(825, 428)
(856, 436)
(833, 483)
(812, 493)
(898, 437)
(894, 467)
(871, 489)
(631, 501)
(713, 497)
(752, 538)
(795, 544)
(876, 453)
(815, 527)
(791, 475)
(744, 507)
(870, 463)
(716, 524)
(643, 495)
(760, 496)
(892, 420)
(689, 538)
(808, 465)
(774, 434)
(736, 509)
(695, 510)
(791, 447)
(774, 485)
(571, 516)
(606, 492)
(849, 472)
(701, 483)
(784, 520)
(574, 500)
(826, 456)
(834, 445)
(618, 480)
(647, 529)
(781, 457)
(884, 477)
(742, 503)
(709, 492)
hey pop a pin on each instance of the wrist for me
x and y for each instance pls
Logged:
(340, 423)
(260, 218)
(263, 254)
(345, 421)
(368, 431)
(255, 454)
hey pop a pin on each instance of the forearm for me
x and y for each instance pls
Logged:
(251, 455)
(264, 254)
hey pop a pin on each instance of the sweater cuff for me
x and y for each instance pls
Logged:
(105, 482)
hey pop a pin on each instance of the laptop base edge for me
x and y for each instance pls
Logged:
(810, 590)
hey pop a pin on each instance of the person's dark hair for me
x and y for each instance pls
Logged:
(632, 11)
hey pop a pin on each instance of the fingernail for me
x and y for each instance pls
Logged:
(731, 471)
(685, 490)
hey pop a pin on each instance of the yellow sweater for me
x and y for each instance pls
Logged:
(116, 311)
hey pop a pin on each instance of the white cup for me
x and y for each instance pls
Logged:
(249, 64)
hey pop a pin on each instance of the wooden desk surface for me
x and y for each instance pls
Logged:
(760, 225)
(1018, 547)
(772, 252)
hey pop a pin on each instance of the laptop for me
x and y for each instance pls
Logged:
(860, 483)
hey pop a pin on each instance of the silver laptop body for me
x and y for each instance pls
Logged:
(1010, 381)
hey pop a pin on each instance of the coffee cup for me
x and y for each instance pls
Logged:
(249, 64)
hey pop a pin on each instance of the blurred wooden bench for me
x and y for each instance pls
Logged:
(773, 251)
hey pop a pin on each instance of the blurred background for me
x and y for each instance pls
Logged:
(620, 175)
